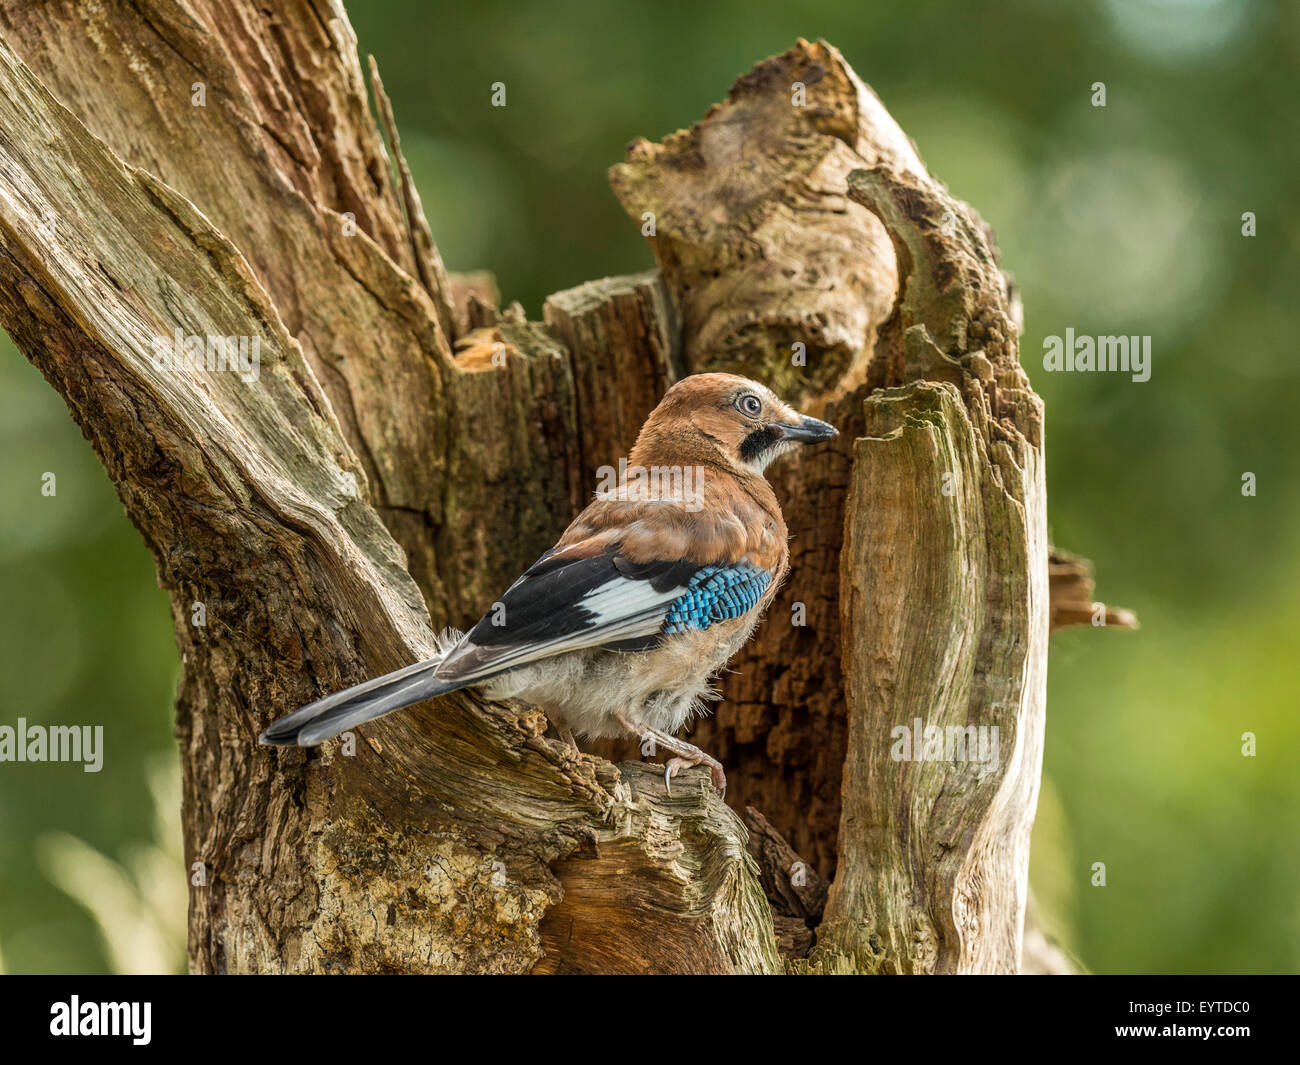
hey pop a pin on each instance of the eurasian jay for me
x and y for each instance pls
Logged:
(620, 626)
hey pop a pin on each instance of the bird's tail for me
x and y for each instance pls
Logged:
(319, 721)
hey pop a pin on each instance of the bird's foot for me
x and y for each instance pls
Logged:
(676, 764)
(566, 734)
(687, 754)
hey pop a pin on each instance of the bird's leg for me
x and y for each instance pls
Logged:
(687, 754)
(566, 734)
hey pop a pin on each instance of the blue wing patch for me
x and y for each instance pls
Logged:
(716, 593)
(602, 601)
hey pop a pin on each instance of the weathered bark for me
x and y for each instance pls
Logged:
(430, 848)
(795, 890)
(407, 448)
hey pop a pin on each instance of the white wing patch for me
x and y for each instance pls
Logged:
(622, 609)
(623, 598)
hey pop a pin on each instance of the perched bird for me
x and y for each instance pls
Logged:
(656, 584)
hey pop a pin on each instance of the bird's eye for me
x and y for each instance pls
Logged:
(751, 406)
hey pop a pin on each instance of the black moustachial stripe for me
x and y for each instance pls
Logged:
(757, 442)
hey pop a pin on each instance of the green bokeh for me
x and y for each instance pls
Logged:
(1123, 219)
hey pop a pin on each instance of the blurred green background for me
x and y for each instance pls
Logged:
(1117, 220)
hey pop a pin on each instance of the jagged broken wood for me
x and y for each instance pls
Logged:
(431, 847)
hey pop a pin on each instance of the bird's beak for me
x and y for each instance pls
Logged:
(807, 431)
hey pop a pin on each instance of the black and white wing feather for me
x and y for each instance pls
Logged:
(566, 604)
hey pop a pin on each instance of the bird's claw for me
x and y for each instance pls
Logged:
(689, 755)
(676, 765)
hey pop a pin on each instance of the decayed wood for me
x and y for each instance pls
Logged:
(753, 230)
(336, 512)
(285, 160)
(428, 261)
(1072, 587)
(795, 891)
(944, 605)
(426, 848)
(624, 340)
(668, 889)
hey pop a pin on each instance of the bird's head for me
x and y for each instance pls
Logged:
(724, 415)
